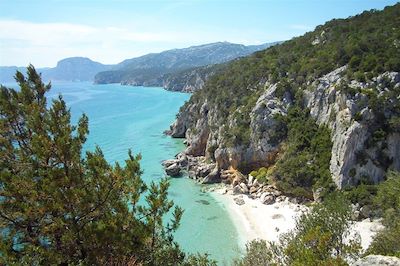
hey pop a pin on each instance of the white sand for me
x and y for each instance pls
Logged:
(254, 220)
(367, 229)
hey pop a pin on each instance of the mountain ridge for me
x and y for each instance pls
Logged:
(151, 69)
(67, 69)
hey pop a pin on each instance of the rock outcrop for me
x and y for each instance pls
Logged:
(351, 121)
(377, 260)
(195, 122)
(189, 80)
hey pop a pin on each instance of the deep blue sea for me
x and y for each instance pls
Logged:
(126, 117)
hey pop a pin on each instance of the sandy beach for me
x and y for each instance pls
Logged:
(255, 220)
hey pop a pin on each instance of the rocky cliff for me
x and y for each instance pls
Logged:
(189, 80)
(236, 120)
(351, 120)
(353, 123)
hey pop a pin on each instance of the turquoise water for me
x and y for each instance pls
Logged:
(125, 117)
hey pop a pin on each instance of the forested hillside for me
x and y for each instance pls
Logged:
(318, 110)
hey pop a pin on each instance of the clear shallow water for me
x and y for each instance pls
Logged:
(125, 117)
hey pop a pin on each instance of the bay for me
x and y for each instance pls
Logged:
(127, 117)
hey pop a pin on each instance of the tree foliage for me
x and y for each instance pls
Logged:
(386, 242)
(305, 162)
(367, 43)
(60, 205)
(320, 237)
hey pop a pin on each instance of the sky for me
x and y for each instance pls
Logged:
(42, 32)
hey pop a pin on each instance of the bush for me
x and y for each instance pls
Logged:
(362, 194)
(386, 242)
(305, 162)
(261, 174)
(318, 239)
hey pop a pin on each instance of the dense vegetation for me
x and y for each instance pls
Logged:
(306, 153)
(367, 43)
(60, 206)
(304, 165)
(387, 200)
(319, 238)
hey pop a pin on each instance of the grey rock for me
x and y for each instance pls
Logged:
(293, 200)
(336, 109)
(365, 211)
(239, 200)
(277, 193)
(236, 190)
(355, 216)
(244, 188)
(317, 194)
(212, 177)
(173, 170)
(377, 260)
(269, 199)
(253, 190)
(250, 181)
(281, 199)
(168, 163)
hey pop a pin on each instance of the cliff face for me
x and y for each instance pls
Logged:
(351, 121)
(340, 81)
(189, 80)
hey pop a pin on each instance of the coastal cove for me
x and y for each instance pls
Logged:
(127, 117)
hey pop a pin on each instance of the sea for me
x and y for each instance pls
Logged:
(130, 117)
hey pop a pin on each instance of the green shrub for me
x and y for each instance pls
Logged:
(386, 242)
(362, 194)
(261, 174)
(318, 239)
(305, 162)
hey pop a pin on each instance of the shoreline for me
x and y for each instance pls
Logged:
(255, 220)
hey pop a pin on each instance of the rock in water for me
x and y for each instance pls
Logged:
(173, 170)
(375, 260)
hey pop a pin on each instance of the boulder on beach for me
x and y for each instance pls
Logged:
(239, 200)
(243, 188)
(269, 199)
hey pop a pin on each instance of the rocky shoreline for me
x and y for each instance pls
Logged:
(205, 172)
(238, 185)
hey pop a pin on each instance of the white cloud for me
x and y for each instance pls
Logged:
(43, 44)
(23, 42)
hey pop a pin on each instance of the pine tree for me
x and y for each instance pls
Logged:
(59, 205)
